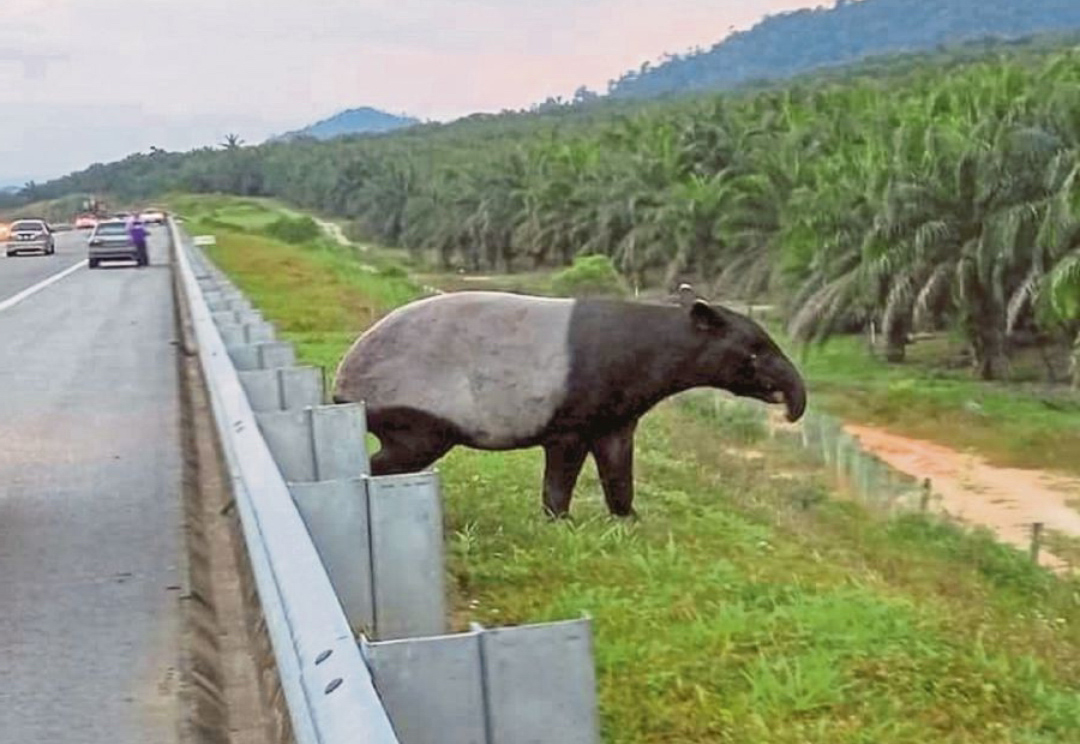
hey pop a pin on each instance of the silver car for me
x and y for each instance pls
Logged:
(111, 241)
(30, 235)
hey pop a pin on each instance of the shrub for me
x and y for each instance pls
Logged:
(394, 270)
(589, 276)
(294, 230)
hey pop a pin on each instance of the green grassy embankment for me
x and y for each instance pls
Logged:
(729, 613)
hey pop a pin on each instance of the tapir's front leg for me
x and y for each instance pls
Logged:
(614, 455)
(563, 460)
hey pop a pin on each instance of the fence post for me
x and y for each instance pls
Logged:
(924, 501)
(1036, 540)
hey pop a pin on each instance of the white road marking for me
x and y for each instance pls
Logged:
(16, 299)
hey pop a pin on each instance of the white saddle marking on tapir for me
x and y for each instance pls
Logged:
(495, 365)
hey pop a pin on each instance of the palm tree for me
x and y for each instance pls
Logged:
(232, 142)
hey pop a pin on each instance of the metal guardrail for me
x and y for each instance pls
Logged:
(328, 688)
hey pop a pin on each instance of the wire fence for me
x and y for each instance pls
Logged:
(863, 474)
(858, 472)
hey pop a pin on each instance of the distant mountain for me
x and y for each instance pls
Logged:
(801, 41)
(364, 120)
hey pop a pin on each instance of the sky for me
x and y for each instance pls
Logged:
(84, 81)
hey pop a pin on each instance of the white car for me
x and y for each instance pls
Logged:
(152, 216)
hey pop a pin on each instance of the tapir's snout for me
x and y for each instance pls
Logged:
(796, 405)
(785, 386)
(793, 389)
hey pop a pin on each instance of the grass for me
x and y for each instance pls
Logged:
(319, 293)
(736, 610)
(231, 212)
(1012, 425)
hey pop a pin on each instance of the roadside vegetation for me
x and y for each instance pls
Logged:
(910, 233)
(51, 210)
(936, 198)
(750, 603)
(931, 395)
(275, 251)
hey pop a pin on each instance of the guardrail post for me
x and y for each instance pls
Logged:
(540, 683)
(259, 332)
(382, 544)
(514, 685)
(433, 688)
(247, 333)
(262, 355)
(283, 388)
(238, 316)
(339, 441)
(225, 301)
(407, 555)
(318, 442)
(336, 516)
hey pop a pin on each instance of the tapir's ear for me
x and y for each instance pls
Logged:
(687, 295)
(705, 317)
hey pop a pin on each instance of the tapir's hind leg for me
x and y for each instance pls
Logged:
(410, 441)
(614, 455)
(563, 459)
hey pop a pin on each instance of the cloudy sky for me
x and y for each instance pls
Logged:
(83, 81)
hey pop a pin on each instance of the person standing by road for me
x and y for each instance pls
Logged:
(137, 231)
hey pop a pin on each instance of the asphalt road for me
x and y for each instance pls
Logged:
(22, 271)
(90, 511)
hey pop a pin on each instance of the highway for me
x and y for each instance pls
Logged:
(90, 504)
(23, 271)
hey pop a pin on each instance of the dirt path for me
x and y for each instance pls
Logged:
(333, 230)
(1007, 500)
(336, 233)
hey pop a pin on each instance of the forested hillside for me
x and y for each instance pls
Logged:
(804, 40)
(930, 198)
(361, 120)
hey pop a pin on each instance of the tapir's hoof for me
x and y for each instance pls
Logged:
(553, 516)
(629, 515)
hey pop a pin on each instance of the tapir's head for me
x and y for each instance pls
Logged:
(738, 355)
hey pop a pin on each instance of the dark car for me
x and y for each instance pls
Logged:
(111, 241)
(30, 235)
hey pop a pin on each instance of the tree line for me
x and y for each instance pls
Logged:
(938, 196)
(848, 32)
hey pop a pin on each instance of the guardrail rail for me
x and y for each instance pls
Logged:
(348, 567)
(329, 691)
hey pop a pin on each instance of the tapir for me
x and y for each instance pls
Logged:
(501, 371)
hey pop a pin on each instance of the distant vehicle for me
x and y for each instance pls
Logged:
(111, 241)
(86, 222)
(30, 235)
(153, 216)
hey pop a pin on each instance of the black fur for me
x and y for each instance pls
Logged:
(626, 358)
